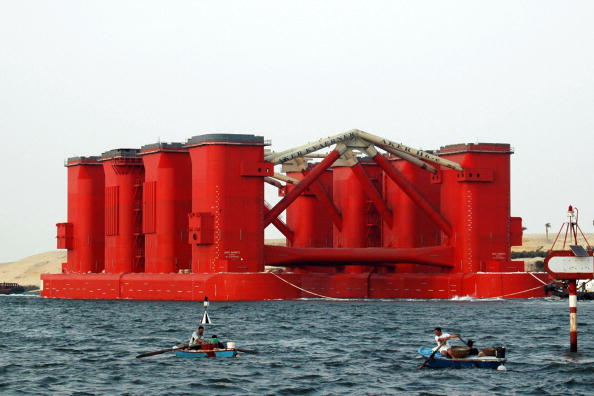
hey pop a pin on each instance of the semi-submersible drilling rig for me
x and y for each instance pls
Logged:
(369, 219)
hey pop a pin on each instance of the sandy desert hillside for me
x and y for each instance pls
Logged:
(27, 270)
(532, 242)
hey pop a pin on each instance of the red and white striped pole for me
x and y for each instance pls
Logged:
(572, 315)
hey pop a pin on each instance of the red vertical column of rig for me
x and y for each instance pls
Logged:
(308, 218)
(360, 219)
(83, 234)
(226, 224)
(478, 206)
(166, 203)
(411, 227)
(349, 199)
(124, 242)
(373, 220)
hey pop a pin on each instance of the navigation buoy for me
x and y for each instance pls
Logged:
(206, 318)
(571, 265)
(501, 367)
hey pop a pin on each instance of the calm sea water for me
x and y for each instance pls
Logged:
(86, 347)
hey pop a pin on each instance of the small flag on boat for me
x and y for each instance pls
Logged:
(206, 318)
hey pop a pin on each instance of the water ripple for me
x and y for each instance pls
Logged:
(312, 346)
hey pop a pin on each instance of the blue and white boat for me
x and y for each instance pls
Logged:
(438, 361)
(201, 353)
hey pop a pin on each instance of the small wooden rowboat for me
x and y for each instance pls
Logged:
(202, 353)
(438, 361)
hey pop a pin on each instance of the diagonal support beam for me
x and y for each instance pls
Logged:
(281, 226)
(373, 194)
(409, 190)
(308, 148)
(303, 184)
(285, 178)
(274, 183)
(418, 157)
(414, 160)
(382, 142)
(326, 202)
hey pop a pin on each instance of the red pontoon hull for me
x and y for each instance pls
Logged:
(268, 286)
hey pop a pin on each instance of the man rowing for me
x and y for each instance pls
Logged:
(443, 342)
(197, 338)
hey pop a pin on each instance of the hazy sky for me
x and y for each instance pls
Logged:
(83, 77)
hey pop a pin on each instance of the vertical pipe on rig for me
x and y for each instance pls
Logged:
(167, 200)
(412, 227)
(83, 235)
(124, 241)
(308, 218)
(350, 200)
(361, 222)
(226, 227)
(476, 203)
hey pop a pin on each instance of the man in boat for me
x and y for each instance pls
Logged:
(472, 350)
(197, 338)
(443, 341)
(214, 340)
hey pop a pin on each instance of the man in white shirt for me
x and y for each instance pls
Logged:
(197, 338)
(443, 341)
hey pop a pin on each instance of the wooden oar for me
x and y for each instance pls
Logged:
(246, 350)
(431, 356)
(161, 351)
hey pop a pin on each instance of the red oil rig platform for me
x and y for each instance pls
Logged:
(371, 218)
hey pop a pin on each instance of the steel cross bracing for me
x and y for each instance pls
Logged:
(356, 140)
(404, 151)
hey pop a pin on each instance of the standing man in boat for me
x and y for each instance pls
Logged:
(197, 338)
(443, 341)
